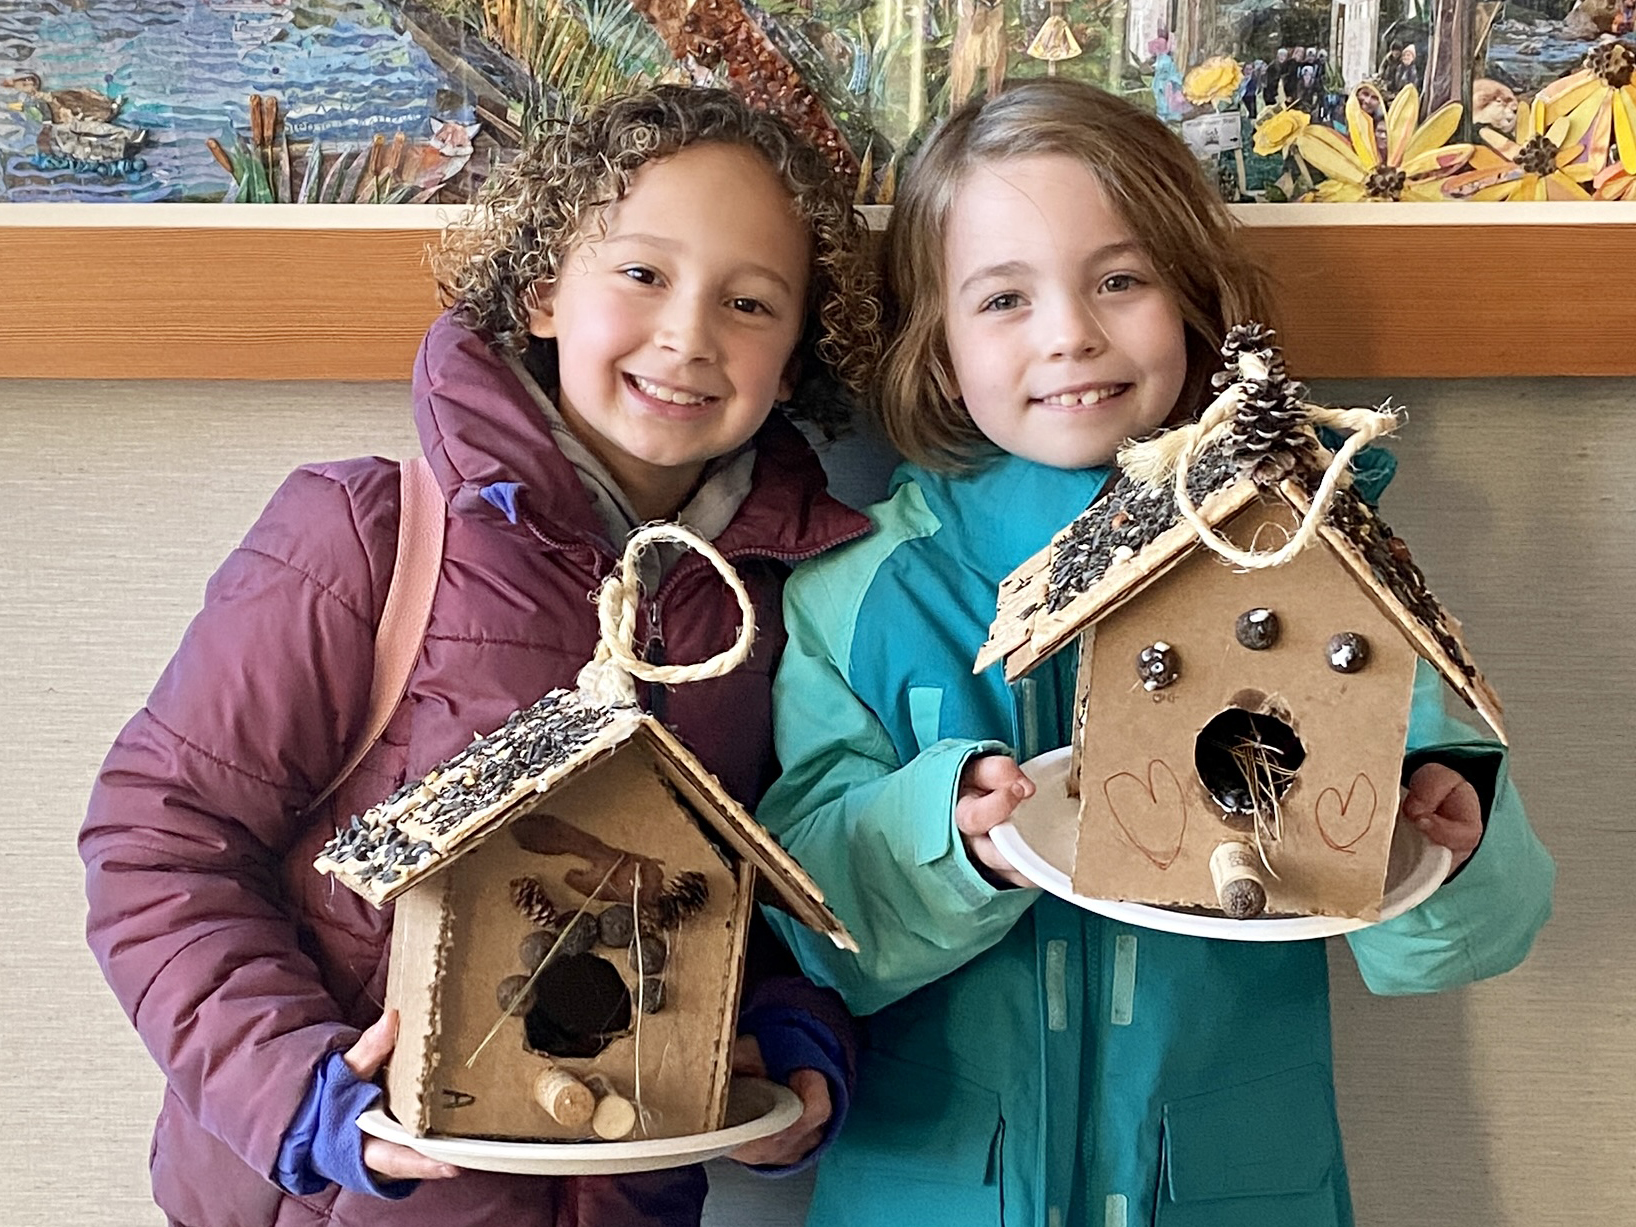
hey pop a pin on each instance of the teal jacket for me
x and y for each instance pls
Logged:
(1028, 1062)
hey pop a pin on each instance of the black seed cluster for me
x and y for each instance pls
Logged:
(374, 853)
(1257, 629)
(1122, 523)
(1157, 665)
(1393, 568)
(403, 834)
(1348, 652)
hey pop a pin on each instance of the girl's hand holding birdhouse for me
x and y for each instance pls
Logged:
(991, 787)
(388, 1160)
(1444, 807)
(795, 1143)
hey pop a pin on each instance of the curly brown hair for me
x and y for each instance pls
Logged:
(1150, 177)
(532, 212)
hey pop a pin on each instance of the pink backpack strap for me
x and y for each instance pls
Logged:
(408, 607)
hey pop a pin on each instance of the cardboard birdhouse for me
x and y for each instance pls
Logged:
(1248, 630)
(573, 895)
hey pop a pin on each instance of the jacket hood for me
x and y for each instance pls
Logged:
(480, 428)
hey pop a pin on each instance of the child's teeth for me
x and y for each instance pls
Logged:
(1090, 397)
(671, 395)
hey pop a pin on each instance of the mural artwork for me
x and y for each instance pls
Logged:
(380, 101)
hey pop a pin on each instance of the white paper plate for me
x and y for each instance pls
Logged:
(755, 1109)
(1039, 840)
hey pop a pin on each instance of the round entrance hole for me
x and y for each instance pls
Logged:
(1243, 757)
(580, 1005)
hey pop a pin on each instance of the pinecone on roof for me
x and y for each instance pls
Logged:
(1270, 437)
(1243, 339)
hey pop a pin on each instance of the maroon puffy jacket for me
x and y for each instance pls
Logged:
(239, 965)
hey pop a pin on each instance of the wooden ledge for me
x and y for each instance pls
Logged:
(344, 292)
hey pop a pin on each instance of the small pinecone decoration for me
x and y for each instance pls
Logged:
(1269, 436)
(683, 896)
(1249, 339)
(528, 894)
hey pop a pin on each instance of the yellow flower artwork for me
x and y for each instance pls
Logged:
(1600, 102)
(1415, 161)
(1276, 130)
(1546, 162)
(1215, 80)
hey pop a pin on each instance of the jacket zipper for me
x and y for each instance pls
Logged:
(653, 650)
(654, 653)
(656, 604)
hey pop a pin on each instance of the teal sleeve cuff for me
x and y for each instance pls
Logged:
(952, 863)
(1480, 923)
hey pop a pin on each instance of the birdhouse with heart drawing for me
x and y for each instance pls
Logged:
(1249, 633)
(573, 895)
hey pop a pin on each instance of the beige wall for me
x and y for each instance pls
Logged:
(1508, 1104)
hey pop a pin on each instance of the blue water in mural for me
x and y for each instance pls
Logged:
(185, 70)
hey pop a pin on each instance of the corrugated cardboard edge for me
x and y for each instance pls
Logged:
(1082, 703)
(1048, 631)
(1475, 690)
(1021, 595)
(422, 930)
(747, 836)
(732, 987)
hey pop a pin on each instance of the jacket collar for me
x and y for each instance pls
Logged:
(480, 428)
(1007, 510)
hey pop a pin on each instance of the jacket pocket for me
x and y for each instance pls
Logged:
(920, 1145)
(1261, 1154)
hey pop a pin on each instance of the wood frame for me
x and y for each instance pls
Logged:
(343, 292)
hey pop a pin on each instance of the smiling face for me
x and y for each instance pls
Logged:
(1063, 341)
(676, 320)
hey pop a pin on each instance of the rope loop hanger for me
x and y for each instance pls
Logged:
(609, 680)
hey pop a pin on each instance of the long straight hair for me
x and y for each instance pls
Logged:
(1150, 177)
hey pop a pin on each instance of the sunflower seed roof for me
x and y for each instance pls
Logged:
(429, 822)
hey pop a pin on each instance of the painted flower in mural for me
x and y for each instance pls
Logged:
(1413, 165)
(1216, 80)
(1600, 102)
(1276, 130)
(1547, 161)
(1613, 182)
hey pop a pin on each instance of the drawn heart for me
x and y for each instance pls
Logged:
(1343, 822)
(1151, 812)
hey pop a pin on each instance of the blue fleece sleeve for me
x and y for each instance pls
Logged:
(792, 1039)
(324, 1146)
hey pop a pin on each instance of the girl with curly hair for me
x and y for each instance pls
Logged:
(628, 305)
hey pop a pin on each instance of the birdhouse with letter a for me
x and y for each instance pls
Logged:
(573, 893)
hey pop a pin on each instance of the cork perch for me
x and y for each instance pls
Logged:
(566, 1099)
